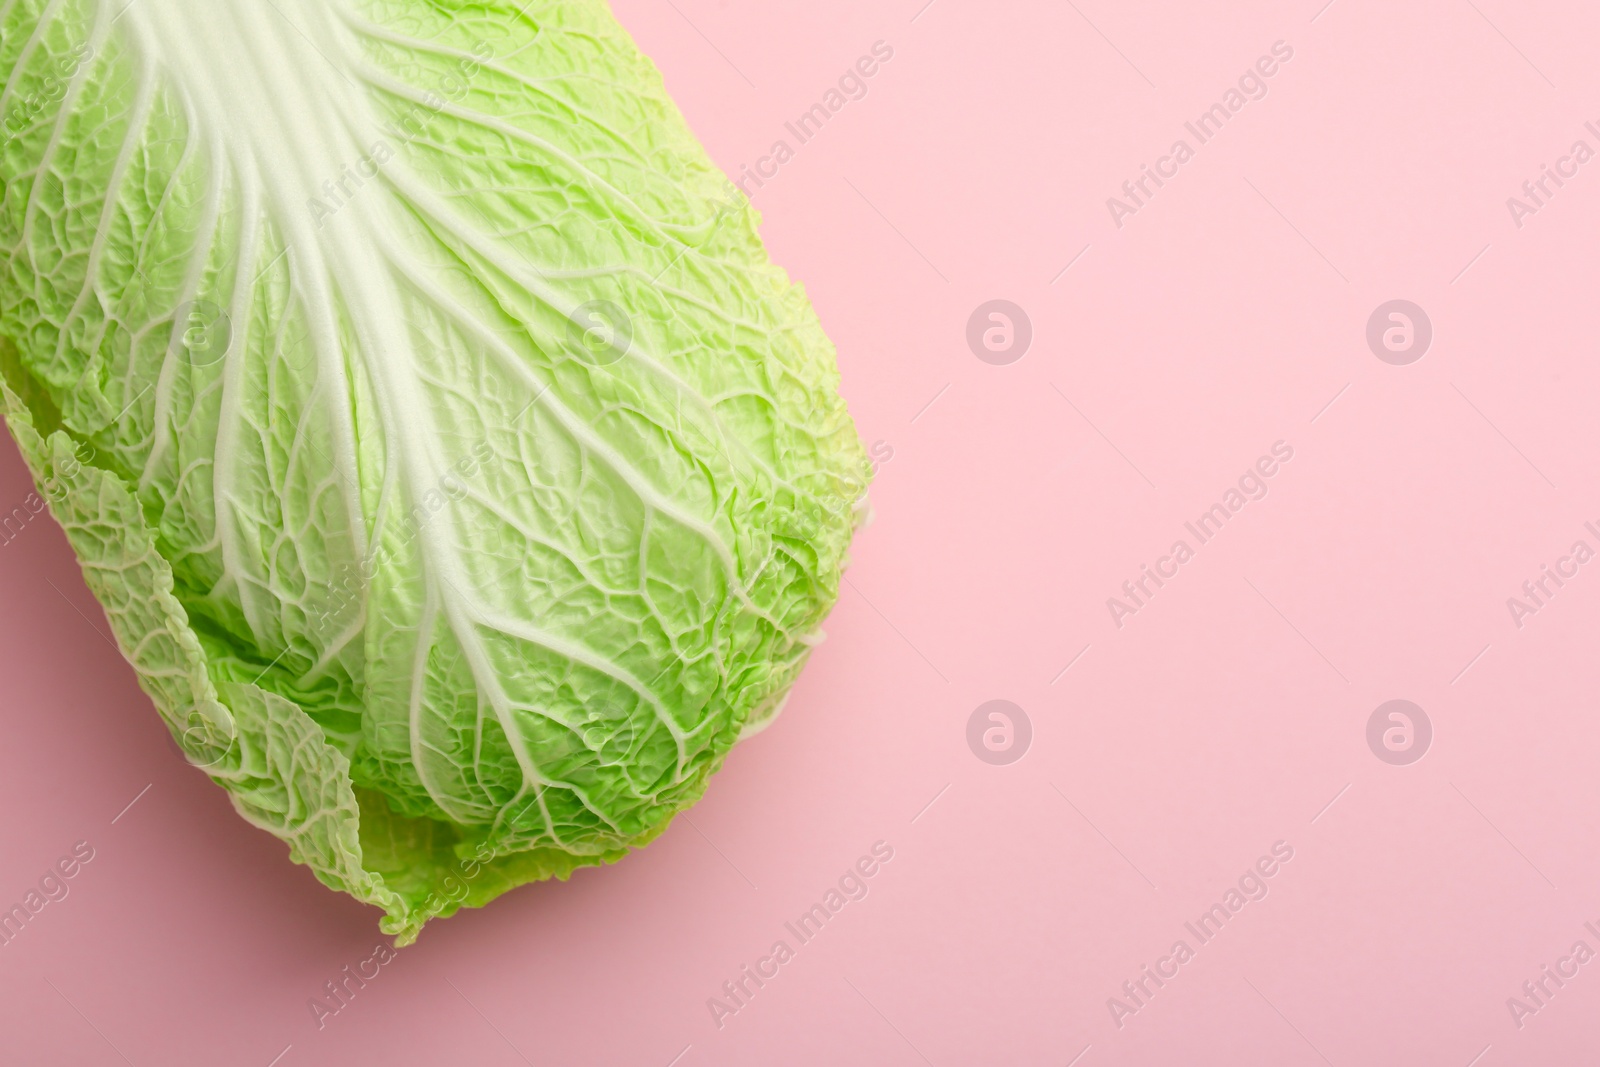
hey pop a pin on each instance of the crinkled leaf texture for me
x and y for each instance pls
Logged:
(456, 472)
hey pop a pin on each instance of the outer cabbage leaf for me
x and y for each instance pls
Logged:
(455, 470)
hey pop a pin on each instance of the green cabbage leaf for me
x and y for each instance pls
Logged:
(455, 470)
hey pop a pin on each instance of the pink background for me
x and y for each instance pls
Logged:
(1222, 317)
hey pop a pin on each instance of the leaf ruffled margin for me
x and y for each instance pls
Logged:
(271, 757)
